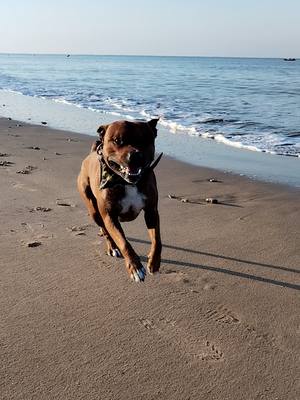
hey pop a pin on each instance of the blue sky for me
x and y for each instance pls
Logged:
(243, 28)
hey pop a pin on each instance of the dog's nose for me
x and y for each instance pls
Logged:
(134, 157)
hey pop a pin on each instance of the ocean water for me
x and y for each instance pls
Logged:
(246, 103)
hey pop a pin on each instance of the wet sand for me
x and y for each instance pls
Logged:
(221, 320)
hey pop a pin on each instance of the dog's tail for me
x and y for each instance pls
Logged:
(95, 145)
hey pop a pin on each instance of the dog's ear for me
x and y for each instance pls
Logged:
(152, 124)
(101, 130)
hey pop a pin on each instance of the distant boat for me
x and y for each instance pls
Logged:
(289, 59)
(68, 55)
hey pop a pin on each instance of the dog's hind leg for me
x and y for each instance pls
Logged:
(91, 205)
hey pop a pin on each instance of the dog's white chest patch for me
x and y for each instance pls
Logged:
(133, 201)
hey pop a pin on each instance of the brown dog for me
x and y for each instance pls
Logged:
(116, 182)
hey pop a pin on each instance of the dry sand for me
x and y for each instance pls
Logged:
(221, 320)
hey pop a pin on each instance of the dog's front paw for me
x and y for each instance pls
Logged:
(136, 271)
(112, 249)
(153, 264)
(114, 253)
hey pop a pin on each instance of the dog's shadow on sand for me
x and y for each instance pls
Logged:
(224, 270)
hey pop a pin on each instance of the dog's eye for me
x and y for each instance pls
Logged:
(118, 141)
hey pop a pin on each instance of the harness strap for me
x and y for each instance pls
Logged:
(154, 164)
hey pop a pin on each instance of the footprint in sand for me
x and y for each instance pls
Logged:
(36, 234)
(190, 346)
(173, 275)
(22, 186)
(209, 286)
(179, 277)
(212, 353)
(221, 314)
(259, 336)
(78, 230)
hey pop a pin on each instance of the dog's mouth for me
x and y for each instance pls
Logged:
(130, 174)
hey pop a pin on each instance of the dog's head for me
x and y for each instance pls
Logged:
(128, 147)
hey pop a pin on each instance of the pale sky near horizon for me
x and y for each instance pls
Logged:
(238, 28)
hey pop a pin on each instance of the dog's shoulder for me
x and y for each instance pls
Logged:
(90, 165)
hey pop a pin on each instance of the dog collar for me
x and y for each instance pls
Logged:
(109, 179)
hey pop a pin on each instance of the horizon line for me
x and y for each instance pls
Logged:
(139, 55)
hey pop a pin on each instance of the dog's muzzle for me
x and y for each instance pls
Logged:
(130, 172)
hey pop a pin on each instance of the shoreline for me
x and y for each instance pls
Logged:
(219, 322)
(197, 151)
(214, 173)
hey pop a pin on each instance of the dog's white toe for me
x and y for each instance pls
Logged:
(149, 271)
(135, 276)
(138, 275)
(116, 253)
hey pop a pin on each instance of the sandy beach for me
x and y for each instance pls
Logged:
(220, 321)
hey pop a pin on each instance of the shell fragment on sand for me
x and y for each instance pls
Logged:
(6, 164)
(39, 208)
(33, 244)
(27, 170)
